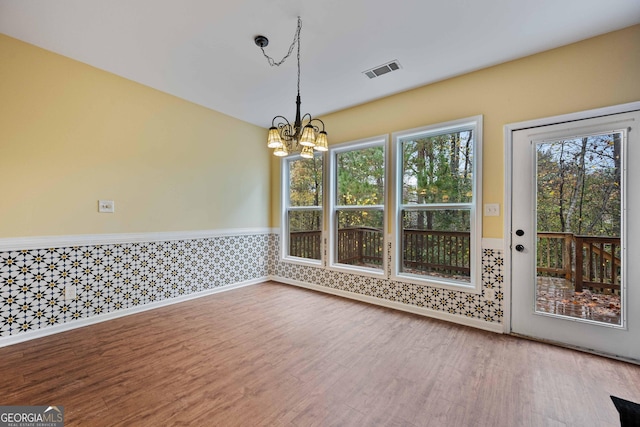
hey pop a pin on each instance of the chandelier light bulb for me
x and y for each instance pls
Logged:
(281, 151)
(274, 140)
(308, 138)
(321, 142)
(307, 152)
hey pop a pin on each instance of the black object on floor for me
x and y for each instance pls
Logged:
(629, 412)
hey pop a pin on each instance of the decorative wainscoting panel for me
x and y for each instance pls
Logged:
(113, 277)
(133, 276)
(486, 306)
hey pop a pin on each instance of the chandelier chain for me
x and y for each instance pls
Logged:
(296, 40)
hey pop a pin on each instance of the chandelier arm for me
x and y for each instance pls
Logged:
(273, 122)
(308, 118)
(317, 120)
(288, 132)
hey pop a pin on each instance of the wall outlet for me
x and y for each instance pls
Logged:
(491, 209)
(106, 206)
(70, 292)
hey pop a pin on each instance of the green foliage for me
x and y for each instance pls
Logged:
(360, 183)
(361, 177)
(361, 218)
(438, 169)
(305, 189)
(578, 186)
(440, 220)
(305, 182)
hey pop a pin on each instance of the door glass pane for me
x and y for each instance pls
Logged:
(579, 200)
(437, 243)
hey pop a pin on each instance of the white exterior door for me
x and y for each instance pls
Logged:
(575, 233)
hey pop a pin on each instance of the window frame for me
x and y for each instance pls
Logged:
(473, 123)
(286, 208)
(333, 208)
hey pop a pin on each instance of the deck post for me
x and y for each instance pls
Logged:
(566, 256)
(614, 269)
(579, 266)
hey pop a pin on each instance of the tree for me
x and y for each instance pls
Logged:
(578, 185)
(305, 189)
(438, 169)
(360, 182)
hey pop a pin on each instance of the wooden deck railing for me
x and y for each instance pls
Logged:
(443, 252)
(424, 250)
(360, 246)
(587, 261)
(555, 255)
(599, 258)
(305, 244)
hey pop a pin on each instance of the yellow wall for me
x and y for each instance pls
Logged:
(593, 73)
(71, 134)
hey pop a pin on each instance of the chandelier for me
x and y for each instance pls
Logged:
(306, 134)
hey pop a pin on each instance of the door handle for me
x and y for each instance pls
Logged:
(519, 248)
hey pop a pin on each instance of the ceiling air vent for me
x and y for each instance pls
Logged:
(382, 69)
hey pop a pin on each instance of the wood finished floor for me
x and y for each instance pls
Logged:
(274, 354)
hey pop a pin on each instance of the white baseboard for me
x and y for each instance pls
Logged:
(27, 336)
(466, 321)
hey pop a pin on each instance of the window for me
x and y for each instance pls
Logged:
(357, 205)
(438, 223)
(302, 208)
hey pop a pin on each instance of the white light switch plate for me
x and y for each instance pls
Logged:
(107, 206)
(491, 209)
(70, 292)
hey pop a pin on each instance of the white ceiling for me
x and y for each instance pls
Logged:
(203, 50)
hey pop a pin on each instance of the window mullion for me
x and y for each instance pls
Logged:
(304, 208)
(436, 206)
(359, 207)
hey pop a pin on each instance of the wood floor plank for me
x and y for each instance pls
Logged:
(277, 355)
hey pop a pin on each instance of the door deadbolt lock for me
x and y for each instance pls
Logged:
(520, 233)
